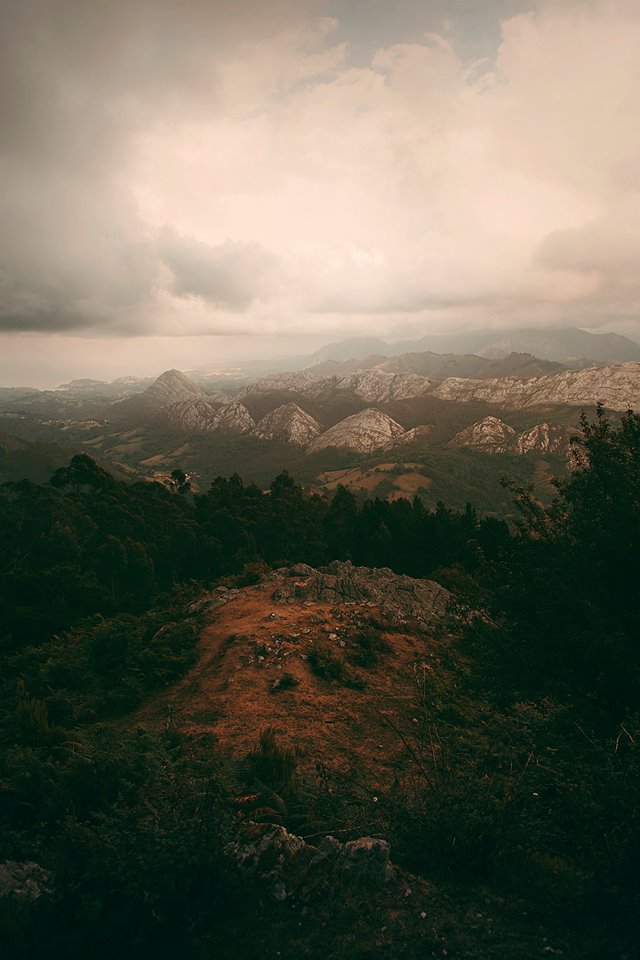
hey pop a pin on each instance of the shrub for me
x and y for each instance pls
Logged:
(327, 666)
(370, 646)
(273, 765)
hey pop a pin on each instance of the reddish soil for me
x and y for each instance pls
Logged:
(252, 641)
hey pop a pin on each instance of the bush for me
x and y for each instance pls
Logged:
(327, 666)
(370, 646)
(273, 765)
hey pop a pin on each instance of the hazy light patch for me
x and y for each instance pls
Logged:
(305, 169)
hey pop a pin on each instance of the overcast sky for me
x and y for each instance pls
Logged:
(187, 180)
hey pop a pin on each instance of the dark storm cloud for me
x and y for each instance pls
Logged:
(77, 82)
(166, 165)
(229, 275)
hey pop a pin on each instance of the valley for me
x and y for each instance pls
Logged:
(315, 425)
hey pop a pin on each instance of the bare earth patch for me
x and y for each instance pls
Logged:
(260, 634)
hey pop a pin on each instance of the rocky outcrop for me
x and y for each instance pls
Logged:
(363, 432)
(283, 861)
(492, 435)
(193, 415)
(200, 415)
(25, 881)
(288, 422)
(298, 383)
(415, 435)
(544, 438)
(616, 386)
(233, 417)
(404, 598)
(373, 386)
(378, 386)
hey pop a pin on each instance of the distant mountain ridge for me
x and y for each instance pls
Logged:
(569, 345)
(438, 366)
(617, 386)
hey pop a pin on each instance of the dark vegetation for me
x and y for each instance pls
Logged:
(456, 476)
(525, 748)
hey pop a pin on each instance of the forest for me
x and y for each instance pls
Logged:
(539, 711)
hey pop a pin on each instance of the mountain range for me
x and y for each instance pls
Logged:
(569, 345)
(416, 422)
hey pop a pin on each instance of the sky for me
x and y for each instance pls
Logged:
(183, 182)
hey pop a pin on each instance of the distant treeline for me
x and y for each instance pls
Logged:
(86, 544)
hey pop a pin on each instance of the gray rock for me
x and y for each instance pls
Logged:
(367, 859)
(26, 881)
(617, 386)
(284, 860)
(290, 423)
(401, 597)
(492, 435)
(368, 430)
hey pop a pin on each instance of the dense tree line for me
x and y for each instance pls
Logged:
(531, 759)
(85, 544)
(566, 586)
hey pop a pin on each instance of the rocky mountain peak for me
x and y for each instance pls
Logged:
(368, 430)
(171, 386)
(193, 414)
(233, 417)
(379, 386)
(544, 438)
(490, 435)
(288, 422)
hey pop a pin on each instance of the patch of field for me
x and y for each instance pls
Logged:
(127, 448)
(179, 451)
(390, 467)
(125, 467)
(154, 461)
(399, 479)
(409, 484)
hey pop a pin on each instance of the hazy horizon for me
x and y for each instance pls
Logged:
(193, 183)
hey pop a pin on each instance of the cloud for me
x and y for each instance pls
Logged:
(215, 167)
(78, 84)
(228, 275)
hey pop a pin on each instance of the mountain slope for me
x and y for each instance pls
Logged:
(492, 435)
(616, 386)
(288, 422)
(363, 432)
(294, 624)
(171, 386)
(440, 366)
